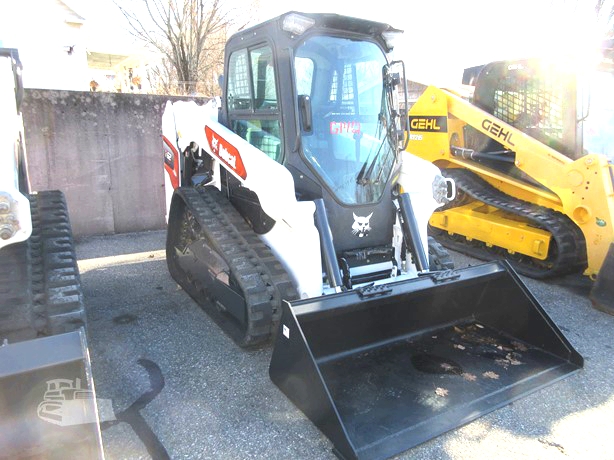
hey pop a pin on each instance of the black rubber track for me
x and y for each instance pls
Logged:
(40, 286)
(439, 257)
(256, 274)
(567, 248)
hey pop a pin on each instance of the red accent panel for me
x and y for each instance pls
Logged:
(173, 171)
(226, 152)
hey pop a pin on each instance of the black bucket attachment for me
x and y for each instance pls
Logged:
(382, 369)
(602, 294)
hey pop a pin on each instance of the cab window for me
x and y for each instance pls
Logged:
(253, 108)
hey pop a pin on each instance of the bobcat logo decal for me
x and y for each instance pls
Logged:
(361, 226)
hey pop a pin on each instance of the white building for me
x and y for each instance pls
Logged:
(49, 37)
(119, 70)
(59, 52)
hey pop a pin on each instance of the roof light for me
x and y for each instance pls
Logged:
(391, 37)
(297, 24)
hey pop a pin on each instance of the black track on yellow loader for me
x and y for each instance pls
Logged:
(218, 259)
(567, 252)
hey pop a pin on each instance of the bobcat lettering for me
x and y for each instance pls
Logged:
(226, 152)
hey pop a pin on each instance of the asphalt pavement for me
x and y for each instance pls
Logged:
(180, 388)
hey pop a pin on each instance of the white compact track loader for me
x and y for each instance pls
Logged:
(294, 213)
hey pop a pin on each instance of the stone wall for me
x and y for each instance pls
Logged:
(104, 151)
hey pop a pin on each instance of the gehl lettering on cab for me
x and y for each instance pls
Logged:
(430, 124)
(498, 130)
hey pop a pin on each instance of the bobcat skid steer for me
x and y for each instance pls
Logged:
(296, 214)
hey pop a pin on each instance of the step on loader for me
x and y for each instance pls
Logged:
(295, 215)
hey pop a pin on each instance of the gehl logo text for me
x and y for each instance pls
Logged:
(497, 130)
(428, 124)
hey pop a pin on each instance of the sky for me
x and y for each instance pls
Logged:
(441, 37)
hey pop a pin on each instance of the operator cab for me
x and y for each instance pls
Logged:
(566, 109)
(338, 133)
(597, 132)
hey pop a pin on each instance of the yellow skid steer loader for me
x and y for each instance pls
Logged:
(532, 155)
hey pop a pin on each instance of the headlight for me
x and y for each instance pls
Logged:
(297, 24)
(444, 189)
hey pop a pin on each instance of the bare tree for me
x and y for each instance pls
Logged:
(605, 13)
(190, 35)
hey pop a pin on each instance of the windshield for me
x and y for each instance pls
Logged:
(347, 144)
(598, 127)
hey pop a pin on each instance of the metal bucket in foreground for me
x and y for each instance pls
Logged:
(47, 399)
(382, 369)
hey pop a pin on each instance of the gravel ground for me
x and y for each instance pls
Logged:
(180, 388)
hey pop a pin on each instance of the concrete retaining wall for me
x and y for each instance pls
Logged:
(104, 151)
